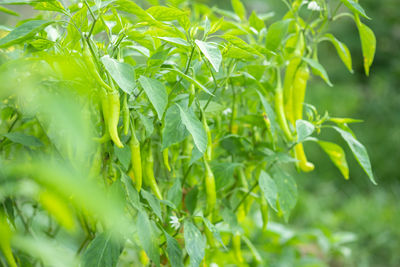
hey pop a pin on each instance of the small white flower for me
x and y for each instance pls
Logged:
(314, 6)
(227, 111)
(80, 5)
(214, 265)
(175, 222)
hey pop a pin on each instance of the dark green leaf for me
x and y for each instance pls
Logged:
(211, 52)
(24, 139)
(148, 238)
(275, 34)
(156, 93)
(122, 73)
(191, 199)
(175, 193)
(153, 202)
(195, 243)
(174, 251)
(359, 152)
(24, 32)
(195, 128)
(174, 131)
(319, 69)
(268, 187)
(103, 251)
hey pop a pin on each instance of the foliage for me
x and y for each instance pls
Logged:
(163, 134)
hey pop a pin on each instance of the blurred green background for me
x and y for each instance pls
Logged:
(327, 202)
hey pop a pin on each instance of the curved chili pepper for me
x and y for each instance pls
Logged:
(149, 171)
(211, 195)
(166, 160)
(136, 160)
(111, 109)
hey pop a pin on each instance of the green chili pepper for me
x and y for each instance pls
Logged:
(149, 171)
(210, 188)
(5, 247)
(236, 244)
(125, 114)
(300, 85)
(166, 160)
(264, 212)
(136, 159)
(279, 110)
(111, 109)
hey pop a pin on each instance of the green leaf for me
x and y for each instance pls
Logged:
(211, 52)
(153, 202)
(287, 192)
(190, 79)
(304, 129)
(8, 11)
(174, 131)
(213, 230)
(195, 243)
(195, 127)
(319, 69)
(270, 113)
(239, 9)
(355, 8)
(157, 94)
(239, 43)
(337, 156)
(223, 173)
(122, 73)
(123, 155)
(175, 193)
(148, 238)
(24, 32)
(275, 34)
(191, 199)
(103, 251)
(131, 192)
(256, 22)
(359, 152)
(268, 186)
(163, 13)
(368, 44)
(175, 41)
(174, 251)
(342, 50)
(24, 139)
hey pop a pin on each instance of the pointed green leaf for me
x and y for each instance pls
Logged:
(239, 9)
(304, 129)
(275, 34)
(24, 32)
(368, 44)
(342, 50)
(174, 131)
(256, 22)
(8, 11)
(269, 189)
(287, 192)
(195, 128)
(337, 156)
(23, 139)
(174, 251)
(175, 40)
(195, 243)
(355, 8)
(359, 152)
(148, 238)
(211, 52)
(122, 73)
(103, 251)
(320, 70)
(153, 202)
(157, 94)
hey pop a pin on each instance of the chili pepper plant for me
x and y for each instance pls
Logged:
(165, 133)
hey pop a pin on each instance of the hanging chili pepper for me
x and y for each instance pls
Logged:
(111, 109)
(300, 85)
(211, 195)
(150, 180)
(136, 159)
(166, 160)
(236, 244)
(125, 114)
(279, 110)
